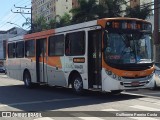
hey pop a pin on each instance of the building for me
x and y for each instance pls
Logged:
(4, 35)
(134, 3)
(50, 8)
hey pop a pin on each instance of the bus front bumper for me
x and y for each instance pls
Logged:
(110, 84)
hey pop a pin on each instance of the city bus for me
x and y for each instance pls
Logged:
(108, 55)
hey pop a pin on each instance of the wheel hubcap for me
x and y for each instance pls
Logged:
(27, 81)
(77, 84)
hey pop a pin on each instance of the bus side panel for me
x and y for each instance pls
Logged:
(14, 68)
(55, 71)
(78, 62)
(29, 64)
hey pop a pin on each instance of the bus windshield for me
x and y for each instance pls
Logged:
(127, 48)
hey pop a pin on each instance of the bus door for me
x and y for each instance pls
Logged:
(41, 59)
(94, 58)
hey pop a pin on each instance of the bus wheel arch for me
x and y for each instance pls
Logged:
(27, 79)
(75, 80)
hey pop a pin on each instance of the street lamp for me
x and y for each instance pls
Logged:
(15, 24)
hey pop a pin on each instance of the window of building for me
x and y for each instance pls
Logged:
(11, 50)
(20, 49)
(56, 45)
(75, 43)
(30, 48)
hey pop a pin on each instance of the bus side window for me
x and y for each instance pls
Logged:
(30, 48)
(11, 50)
(20, 49)
(56, 45)
(75, 43)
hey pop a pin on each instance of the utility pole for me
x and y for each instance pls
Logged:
(22, 11)
(156, 32)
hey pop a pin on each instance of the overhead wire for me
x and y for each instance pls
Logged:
(12, 17)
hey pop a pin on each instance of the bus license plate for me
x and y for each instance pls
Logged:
(135, 83)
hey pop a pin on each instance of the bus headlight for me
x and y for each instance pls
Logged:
(150, 76)
(119, 78)
(108, 72)
(114, 76)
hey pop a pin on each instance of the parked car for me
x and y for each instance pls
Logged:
(157, 75)
(2, 69)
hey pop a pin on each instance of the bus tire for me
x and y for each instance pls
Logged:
(27, 80)
(77, 84)
(155, 86)
(116, 92)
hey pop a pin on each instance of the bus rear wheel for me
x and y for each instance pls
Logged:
(77, 84)
(116, 92)
(27, 80)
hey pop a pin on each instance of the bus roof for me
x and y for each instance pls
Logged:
(70, 28)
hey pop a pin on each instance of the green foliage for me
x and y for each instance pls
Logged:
(27, 23)
(86, 11)
(60, 21)
(90, 10)
(113, 8)
(138, 12)
(40, 24)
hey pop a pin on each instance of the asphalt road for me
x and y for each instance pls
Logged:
(57, 103)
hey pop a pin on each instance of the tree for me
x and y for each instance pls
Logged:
(113, 8)
(138, 12)
(64, 20)
(90, 9)
(40, 24)
(27, 23)
(60, 21)
(86, 11)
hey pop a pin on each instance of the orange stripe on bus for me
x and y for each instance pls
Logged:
(55, 62)
(125, 73)
(39, 35)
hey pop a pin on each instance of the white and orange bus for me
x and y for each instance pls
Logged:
(109, 54)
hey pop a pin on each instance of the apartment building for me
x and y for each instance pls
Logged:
(50, 8)
(134, 3)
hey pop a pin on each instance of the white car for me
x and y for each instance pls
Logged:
(157, 75)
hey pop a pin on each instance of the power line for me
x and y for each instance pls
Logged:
(9, 15)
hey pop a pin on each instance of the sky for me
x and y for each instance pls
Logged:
(16, 18)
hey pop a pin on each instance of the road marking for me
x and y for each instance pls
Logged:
(44, 118)
(145, 108)
(155, 93)
(3, 76)
(86, 116)
(37, 102)
(136, 94)
(150, 100)
(109, 110)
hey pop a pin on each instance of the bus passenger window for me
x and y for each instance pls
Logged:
(56, 45)
(30, 48)
(75, 43)
(20, 49)
(11, 50)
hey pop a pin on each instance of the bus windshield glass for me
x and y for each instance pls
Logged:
(127, 48)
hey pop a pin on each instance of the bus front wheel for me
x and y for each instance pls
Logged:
(77, 85)
(27, 80)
